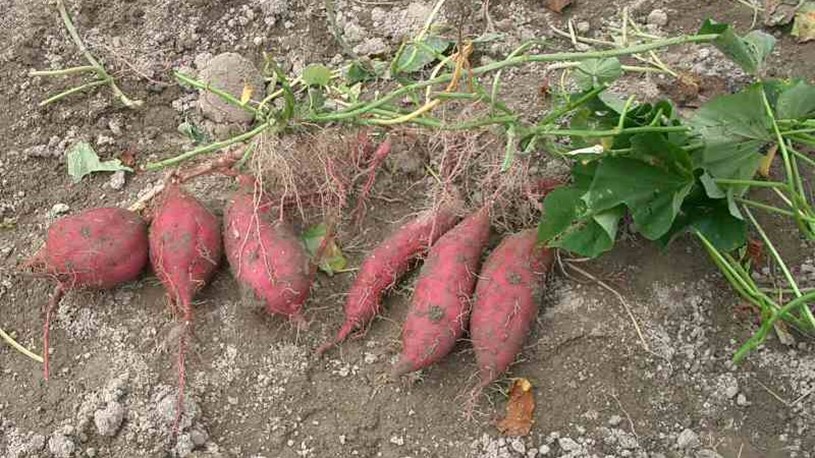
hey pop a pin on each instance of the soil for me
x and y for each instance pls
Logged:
(254, 387)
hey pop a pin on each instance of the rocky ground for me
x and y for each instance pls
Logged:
(255, 388)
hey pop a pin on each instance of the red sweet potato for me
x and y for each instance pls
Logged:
(441, 299)
(386, 264)
(185, 250)
(507, 294)
(97, 248)
(265, 254)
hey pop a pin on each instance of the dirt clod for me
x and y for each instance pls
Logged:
(229, 72)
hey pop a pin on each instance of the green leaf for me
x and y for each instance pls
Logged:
(566, 225)
(797, 102)
(652, 184)
(595, 72)
(316, 75)
(358, 73)
(749, 52)
(734, 129)
(82, 160)
(416, 55)
(332, 259)
(193, 132)
(712, 218)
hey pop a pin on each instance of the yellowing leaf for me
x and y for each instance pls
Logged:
(246, 94)
(804, 25)
(327, 255)
(767, 162)
(521, 405)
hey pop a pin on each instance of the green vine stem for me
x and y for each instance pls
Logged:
(95, 66)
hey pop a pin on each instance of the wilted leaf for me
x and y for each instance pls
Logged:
(331, 258)
(521, 405)
(767, 162)
(246, 93)
(316, 75)
(557, 5)
(803, 27)
(82, 160)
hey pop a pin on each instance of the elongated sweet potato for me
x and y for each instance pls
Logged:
(185, 250)
(97, 248)
(507, 294)
(265, 254)
(441, 299)
(386, 264)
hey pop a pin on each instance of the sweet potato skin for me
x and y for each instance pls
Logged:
(97, 248)
(185, 244)
(507, 294)
(388, 262)
(440, 307)
(265, 254)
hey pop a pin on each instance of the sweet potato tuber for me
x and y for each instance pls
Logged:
(441, 299)
(265, 254)
(185, 250)
(506, 302)
(386, 264)
(97, 248)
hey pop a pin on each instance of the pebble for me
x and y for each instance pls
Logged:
(117, 180)
(567, 444)
(658, 18)
(397, 440)
(109, 419)
(61, 446)
(687, 439)
(583, 27)
(58, 209)
(518, 446)
(615, 420)
(544, 449)
(741, 400)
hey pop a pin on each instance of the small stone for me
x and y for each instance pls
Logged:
(741, 400)
(658, 18)
(687, 440)
(115, 128)
(198, 437)
(257, 41)
(397, 440)
(58, 209)
(544, 449)
(517, 445)
(109, 419)
(117, 180)
(90, 452)
(184, 446)
(583, 26)
(532, 453)
(731, 391)
(615, 420)
(370, 358)
(61, 446)
(371, 47)
(567, 444)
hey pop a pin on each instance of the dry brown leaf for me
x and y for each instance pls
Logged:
(521, 405)
(557, 5)
(804, 26)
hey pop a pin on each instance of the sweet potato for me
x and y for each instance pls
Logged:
(97, 248)
(386, 264)
(265, 254)
(507, 294)
(441, 299)
(185, 250)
